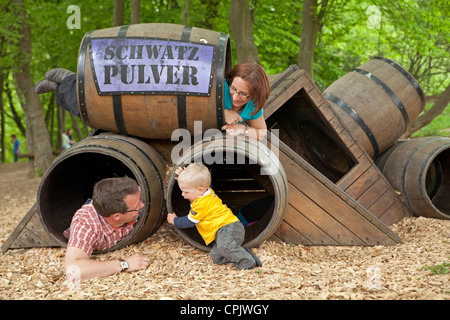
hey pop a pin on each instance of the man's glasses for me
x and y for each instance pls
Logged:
(243, 95)
(140, 200)
(133, 210)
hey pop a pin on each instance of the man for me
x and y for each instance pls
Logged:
(99, 225)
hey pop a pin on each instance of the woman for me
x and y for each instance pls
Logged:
(246, 90)
(249, 88)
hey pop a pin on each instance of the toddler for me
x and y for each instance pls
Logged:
(213, 219)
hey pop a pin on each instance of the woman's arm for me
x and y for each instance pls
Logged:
(256, 129)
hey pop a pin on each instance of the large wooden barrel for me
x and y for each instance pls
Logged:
(147, 80)
(243, 171)
(70, 180)
(420, 170)
(377, 101)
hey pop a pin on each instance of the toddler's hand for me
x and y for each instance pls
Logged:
(178, 172)
(171, 217)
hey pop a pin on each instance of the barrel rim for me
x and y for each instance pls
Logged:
(80, 79)
(423, 172)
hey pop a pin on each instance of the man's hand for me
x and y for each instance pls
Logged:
(79, 265)
(137, 262)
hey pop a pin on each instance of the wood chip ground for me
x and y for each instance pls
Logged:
(179, 271)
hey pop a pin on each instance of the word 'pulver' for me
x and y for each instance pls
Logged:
(143, 74)
(152, 66)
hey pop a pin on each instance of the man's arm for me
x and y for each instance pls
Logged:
(78, 265)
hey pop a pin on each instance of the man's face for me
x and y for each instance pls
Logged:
(134, 204)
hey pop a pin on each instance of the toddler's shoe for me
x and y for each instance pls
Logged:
(257, 261)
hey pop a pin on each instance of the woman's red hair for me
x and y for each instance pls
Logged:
(257, 80)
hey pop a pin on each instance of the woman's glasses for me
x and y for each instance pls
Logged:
(243, 95)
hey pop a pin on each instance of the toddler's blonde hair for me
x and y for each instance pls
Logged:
(197, 175)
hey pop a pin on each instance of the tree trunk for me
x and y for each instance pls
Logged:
(14, 115)
(241, 25)
(211, 12)
(135, 11)
(428, 116)
(76, 128)
(186, 12)
(38, 140)
(61, 124)
(2, 119)
(118, 14)
(311, 26)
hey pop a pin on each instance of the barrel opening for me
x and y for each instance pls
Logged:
(239, 186)
(437, 182)
(302, 128)
(70, 183)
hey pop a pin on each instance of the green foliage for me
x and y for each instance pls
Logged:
(277, 33)
(442, 268)
(440, 126)
(414, 33)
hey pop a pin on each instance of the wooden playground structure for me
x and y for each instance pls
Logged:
(333, 186)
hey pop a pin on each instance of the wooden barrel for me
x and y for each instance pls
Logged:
(377, 101)
(70, 180)
(147, 80)
(243, 171)
(420, 170)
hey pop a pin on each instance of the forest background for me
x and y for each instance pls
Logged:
(326, 38)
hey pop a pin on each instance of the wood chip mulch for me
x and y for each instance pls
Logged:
(179, 271)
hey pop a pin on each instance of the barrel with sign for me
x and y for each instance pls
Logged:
(147, 80)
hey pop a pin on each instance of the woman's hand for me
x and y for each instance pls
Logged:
(232, 117)
(234, 129)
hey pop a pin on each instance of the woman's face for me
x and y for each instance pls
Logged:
(240, 92)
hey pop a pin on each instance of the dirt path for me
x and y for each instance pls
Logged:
(179, 271)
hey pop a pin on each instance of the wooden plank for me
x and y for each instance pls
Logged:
(323, 228)
(373, 193)
(395, 213)
(283, 90)
(345, 182)
(289, 234)
(364, 182)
